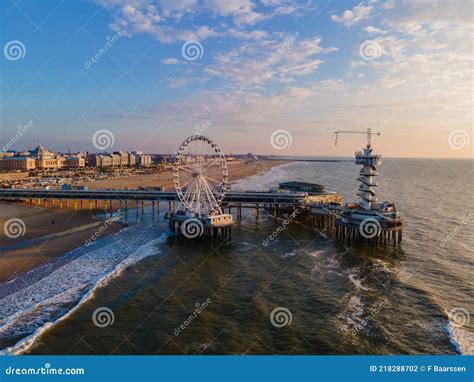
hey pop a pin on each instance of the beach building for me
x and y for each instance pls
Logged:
(74, 162)
(310, 188)
(17, 163)
(143, 160)
(39, 158)
(316, 193)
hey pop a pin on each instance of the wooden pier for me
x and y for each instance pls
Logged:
(385, 234)
(200, 228)
(321, 216)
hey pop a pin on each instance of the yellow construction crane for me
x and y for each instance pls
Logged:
(368, 132)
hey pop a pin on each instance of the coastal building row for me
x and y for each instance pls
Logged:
(119, 159)
(41, 158)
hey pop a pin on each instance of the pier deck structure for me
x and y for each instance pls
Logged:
(320, 211)
(232, 201)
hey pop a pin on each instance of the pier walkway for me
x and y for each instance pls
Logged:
(248, 198)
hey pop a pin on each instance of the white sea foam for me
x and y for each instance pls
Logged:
(44, 303)
(382, 266)
(263, 181)
(462, 340)
(316, 254)
(355, 279)
(353, 314)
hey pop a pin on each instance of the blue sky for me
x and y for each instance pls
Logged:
(306, 67)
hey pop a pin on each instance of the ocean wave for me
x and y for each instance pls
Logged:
(382, 266)
(316, 254)
(324, 263)
(36, 308)
(352, 316)
(353, 276)
(461, 339)
(288, 254)
(263, 181)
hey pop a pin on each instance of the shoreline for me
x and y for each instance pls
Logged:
(50, 232)
(47, 234)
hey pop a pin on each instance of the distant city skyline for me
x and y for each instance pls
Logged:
(271, 77)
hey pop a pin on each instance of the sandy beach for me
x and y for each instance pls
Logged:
(46, 234)
(237, 170)
(50, 231)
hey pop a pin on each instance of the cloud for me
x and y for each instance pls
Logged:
(171, 20)
(145, 16)
(278, 60)
(389, 4)
(299, 93)
(352, 17)
(259, 80)
(373, 30)
(242, 11)
(170, 61)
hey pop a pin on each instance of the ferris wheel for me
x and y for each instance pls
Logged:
(200, 176)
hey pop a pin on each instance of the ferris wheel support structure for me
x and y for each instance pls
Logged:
(200, 178)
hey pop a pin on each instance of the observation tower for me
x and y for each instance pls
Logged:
(367, 220)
